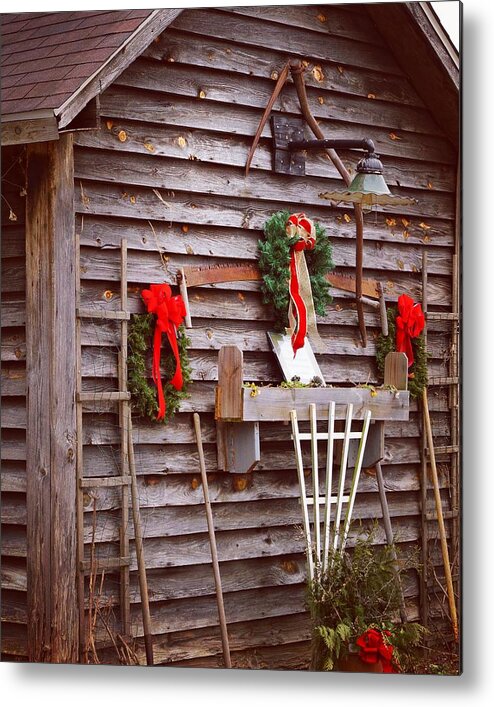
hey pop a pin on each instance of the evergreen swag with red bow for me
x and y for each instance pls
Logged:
(165, 346)
(275, 261)
(405, 325)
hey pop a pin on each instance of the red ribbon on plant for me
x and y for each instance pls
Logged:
(373, 647)
(410, 322)
(301, 314)
(170, 312)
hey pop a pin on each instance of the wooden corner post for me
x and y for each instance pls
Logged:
(51, 415)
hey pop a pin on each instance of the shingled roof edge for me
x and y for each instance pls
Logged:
(156, 22)
(121, 58)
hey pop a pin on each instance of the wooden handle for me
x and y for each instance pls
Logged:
(141, 565)
(440, 517)
(212, 542)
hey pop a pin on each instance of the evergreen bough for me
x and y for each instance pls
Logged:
(274, 264)
(143, 391)
(357, 592)
(386, 344)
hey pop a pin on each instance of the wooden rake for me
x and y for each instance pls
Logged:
(332, 539)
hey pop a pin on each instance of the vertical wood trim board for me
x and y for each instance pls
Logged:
(51, 421)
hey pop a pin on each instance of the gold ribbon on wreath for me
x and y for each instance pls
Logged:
(301, 313)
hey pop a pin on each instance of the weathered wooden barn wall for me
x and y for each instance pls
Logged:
(166, 170)
(14, 578)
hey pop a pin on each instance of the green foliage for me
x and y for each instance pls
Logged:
(143, 390)
(335, 640)
(386, 344)
(274, 259)
(357, 592)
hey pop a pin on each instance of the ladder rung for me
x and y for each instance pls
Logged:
(104, 481)
(445, 316)
(102, 314)
(451, 449)
(324, 435)
(322, 500)
(110, 563)
(438, 380)
(447, 515)
(96, 397)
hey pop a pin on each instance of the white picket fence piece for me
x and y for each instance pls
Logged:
(317, 555)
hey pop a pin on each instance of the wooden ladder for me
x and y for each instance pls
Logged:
(317, 552)
(123, 481)
(430, 451)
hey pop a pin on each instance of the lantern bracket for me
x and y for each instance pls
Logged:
(289, 146)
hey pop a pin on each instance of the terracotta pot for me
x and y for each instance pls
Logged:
(353, 664)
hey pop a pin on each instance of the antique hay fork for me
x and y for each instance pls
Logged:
(332, 540)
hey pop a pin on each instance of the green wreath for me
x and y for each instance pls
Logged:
(274, 260)
(385, 344)
(143, 392)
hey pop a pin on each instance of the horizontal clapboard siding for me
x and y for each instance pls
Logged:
(13, 491)
(166, 172)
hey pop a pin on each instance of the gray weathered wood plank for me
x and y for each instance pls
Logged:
(199, 247)
(105, 199)
(162, 173)
(122, 102)
(179, 459)
(184, 80)
(178, 490)
(329, 20)
(228, 149)
(259, 366)
(180, 47)
(234, 545)
(303, 42)
(173, 521)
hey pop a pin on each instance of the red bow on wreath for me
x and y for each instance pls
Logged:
(170, 312)
(410, 322)
(373, 647)
(301, 314)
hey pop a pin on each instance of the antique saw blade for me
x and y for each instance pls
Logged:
(211, 274)
(347, 282)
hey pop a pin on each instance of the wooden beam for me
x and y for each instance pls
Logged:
(18, 132)
(276, 403)
(51, 422)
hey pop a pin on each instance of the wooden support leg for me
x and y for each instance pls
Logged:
(238, 446)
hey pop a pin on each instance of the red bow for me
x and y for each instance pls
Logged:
(373, 648)
(299, 225)
(170, 312)
(410, 322)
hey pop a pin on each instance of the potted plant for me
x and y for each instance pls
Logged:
(355, 612)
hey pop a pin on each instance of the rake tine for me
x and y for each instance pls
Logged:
(315, 480)
(356, 476)
(303, 495)
(341, 485)
(329, 482)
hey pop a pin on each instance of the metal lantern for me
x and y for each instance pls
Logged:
(368, 187)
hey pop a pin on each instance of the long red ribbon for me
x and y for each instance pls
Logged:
(170, 312)
(410, 322)
(301, 225)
